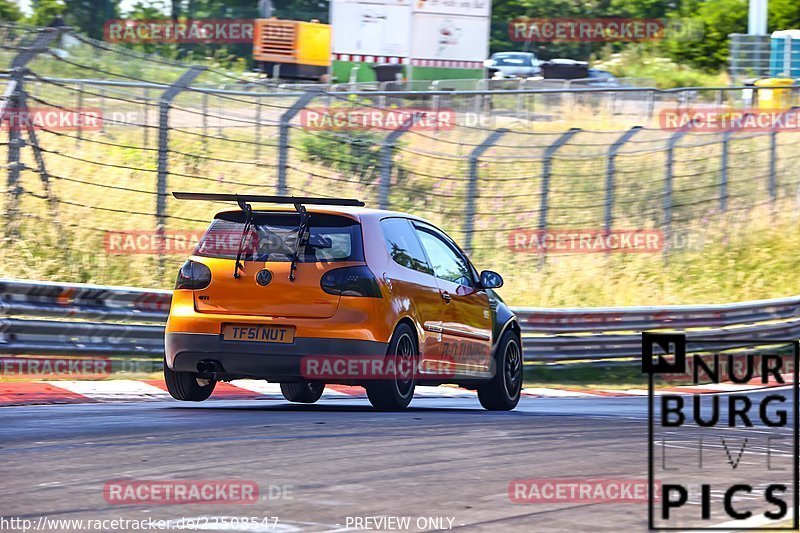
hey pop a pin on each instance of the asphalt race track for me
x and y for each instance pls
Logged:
(445, 459)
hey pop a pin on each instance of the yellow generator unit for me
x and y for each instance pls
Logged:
(302, 50)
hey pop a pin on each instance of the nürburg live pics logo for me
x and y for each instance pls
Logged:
(723, 436)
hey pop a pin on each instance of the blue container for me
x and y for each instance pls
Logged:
(782, 44)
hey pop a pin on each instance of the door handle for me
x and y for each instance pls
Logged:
(446, 296)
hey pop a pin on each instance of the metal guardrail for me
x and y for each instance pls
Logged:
(615, 319)
(65, 318)
(43, 318)
(478, 86)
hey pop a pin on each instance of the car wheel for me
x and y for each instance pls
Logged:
(503, 391)
(395, 393)
(305, 392)
(188, 386)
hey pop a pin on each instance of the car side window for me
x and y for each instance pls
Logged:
(447, 263)
(403, 245)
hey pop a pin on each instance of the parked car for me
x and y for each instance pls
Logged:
(330, 280)
(513, 65)
(565, 69)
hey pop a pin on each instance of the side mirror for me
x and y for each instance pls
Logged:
(491, 280)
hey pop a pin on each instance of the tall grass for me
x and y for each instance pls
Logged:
(107, 182)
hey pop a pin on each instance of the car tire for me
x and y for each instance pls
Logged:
(184, 386)
(305, 392)
(395, 394)
(502, 393)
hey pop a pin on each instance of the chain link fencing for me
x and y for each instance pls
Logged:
(497, 167)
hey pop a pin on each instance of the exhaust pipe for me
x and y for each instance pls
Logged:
(208, 367)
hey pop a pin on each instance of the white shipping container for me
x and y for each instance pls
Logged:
(375, 29)
(471, 8)
(448, 37)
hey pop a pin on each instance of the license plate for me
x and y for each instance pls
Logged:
(248, 333)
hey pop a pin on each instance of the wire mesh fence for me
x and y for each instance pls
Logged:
(749, 56)
(500, 169)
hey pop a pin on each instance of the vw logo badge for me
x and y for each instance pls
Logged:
(264, 277)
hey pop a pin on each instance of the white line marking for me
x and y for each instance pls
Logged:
(113, 390)
(273, 390)
(261, 387)
(725, 387)
(557, 393)
(443, 392)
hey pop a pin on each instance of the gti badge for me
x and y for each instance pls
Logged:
(263, 277)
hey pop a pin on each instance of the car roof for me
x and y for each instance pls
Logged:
(360, 214)
(507, 54)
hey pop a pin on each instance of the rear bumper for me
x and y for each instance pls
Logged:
(257, 359)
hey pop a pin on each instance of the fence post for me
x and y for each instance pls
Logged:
(530, 103)
(10, 104)
(26, 55)
(650, 104)
(258, 130)
(164, 104)
(734, 61)
(15, 144)
(146, 117)
(772, 184)
(102, 90)
(723, 175)
(204, 110)
(79, 106)
(773, 156)
(787, 56)
(37, 154)
(472, 187)
(387, 151)
(283, 136)
(611, 173)
(435, 102)
(612, 102)
(547, 168)
(668, 178)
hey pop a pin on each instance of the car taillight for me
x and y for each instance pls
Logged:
(351, 281)
(193, 276)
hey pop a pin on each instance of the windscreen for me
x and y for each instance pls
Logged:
(273, 238)
(513, 61)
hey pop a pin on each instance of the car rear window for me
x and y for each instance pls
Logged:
(273, 236)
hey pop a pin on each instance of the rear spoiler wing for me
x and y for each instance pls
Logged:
(243, 200)
(258, 198)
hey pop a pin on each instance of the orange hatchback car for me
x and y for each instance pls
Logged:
(324, 291)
